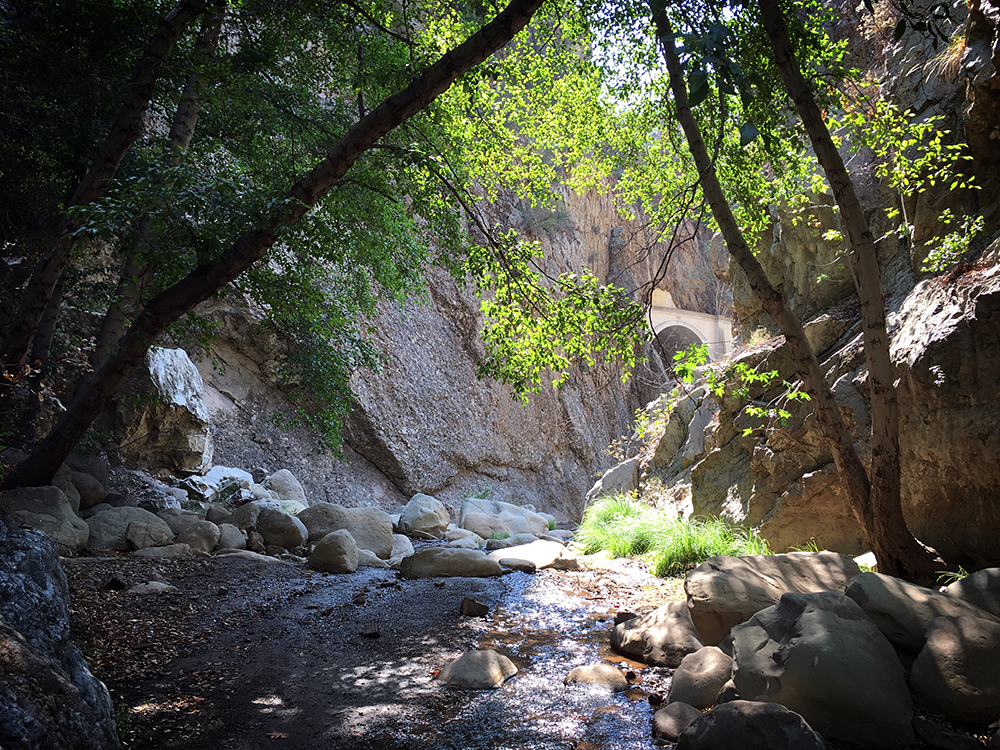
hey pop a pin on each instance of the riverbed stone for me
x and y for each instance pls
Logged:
(747, 725)
(661, 638)
(141, 535)
(820, 655)
(371, 527)
(424, 515)
(482, 669)
(449, 561)
(245, 517)
(217, 514)
(92, 491)
(515, 519)
(168, 552)
(521, 566)
(957, 674)
(672, 719)
(724, 591)
(49, 510)
(230, 537)
(980, 589)
(288, 489)
(600, 675)
(281, 529)
(109, 530)
(542, 553)
(904, 611)
(200, 535)
(337, 552)
(368, 559)
(700, 677)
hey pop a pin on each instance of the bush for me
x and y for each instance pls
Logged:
(626, 527)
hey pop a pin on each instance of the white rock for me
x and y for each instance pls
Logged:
(424, 514)
(478, 670)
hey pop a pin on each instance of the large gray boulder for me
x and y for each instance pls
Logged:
(245, 517)
(140, 535)
(821, 656)
(288, 489)
(700, 677)
(542, 553)
(449, 561)
(200, 535)
(904, 611)
(371, 527)
(109, 528)
(281, 529)
(481, 515)
(980, 589)
(92, 492)
(957, 674)
(662, 637)
(671, 720)
(724, 591)
(622, 478)
(230, 537)
(162, 417)
(48, 509)
(478, 670)
(745, 725)
(336, 552)
(424, 516)
(47, 694)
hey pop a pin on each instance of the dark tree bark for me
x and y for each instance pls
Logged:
(207, 279)
(126, 128)
(852, 471)
(898, 553)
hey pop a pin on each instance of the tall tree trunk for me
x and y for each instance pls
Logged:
(897, 551)
(126, 128)
(826, 411)
(208, 278)
(135, 273)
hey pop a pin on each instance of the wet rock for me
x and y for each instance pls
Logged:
(602, 675)
(724, 591)
(424, 515)
(672, 719)
(980, 589)
(449, 561)
(662, 637)
(49, 510)
(700, 677)
(336, 552)
(141, 535)
(472, 608)
(904, 611)
(728, 693)
(281, 529)
(955, 675)
(514, 563)
(745, 725)
(622, 478)
(230, 537)
(478, 670)
(820, 655)
(371, 527)
(542, 553)
(942, 738)
(109, 530)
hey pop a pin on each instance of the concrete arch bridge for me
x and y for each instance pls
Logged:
(676, 329)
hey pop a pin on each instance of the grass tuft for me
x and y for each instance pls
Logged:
(626, 527)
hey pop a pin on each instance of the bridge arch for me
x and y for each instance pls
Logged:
(677, 329)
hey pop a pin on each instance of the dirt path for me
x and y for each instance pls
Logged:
(242, 654)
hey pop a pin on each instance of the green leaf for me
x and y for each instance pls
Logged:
(657, 6)
(748, 133)
(900, 30)
(697, 88)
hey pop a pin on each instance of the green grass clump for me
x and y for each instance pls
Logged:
(626, 527)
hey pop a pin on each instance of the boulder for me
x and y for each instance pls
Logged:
(478, 670)
(745, 725)
(281, 529)
(371, 527)
(449, 561)
(485, 525)
(64, 481)
(622, 478)
(48, 509)
(230, 537)
(141, 535)
(162, 417)
(821, 656)
(401, 546)
(521, 566)
(672, 719)
(542, 553)
(662, 637)
(200, 535)
(288, 489)
(903, 611)
(34, 609)
(245, 517)
(478, 514)
(724, 591)
(219, 484)
(109, 530)
(91, 491)
(600, 675)
(178, 519)
(96, 466)
(368, 559)
(336, 552)
(217, 514)
(700, 677)
(957, 674)
(980, 589)
(424, 516)
(168, 552)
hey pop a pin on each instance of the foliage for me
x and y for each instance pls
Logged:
(625, 527)
(949, 249)
(948, 577)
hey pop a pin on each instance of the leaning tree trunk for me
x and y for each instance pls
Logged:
(826, 411)
(897, 551)
(126, 128)
(208, 278)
